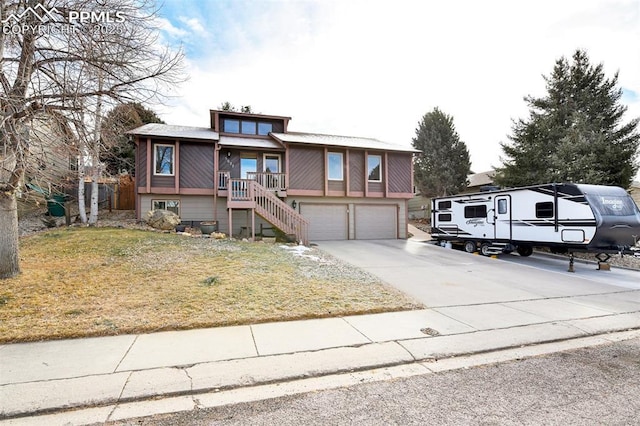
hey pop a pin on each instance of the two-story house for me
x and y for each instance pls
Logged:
(248, 172)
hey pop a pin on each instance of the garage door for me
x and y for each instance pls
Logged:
(326, 221)
(376, 222)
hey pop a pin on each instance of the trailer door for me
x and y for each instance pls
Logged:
(502, 214)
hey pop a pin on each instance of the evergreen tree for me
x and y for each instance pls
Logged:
(119, 153)
(443, 164)
(575, 133)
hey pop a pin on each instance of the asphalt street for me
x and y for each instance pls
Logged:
(589, 386)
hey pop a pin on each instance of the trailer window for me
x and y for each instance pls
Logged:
(544, 209)
(444, 205)
(475, 211)
(502, 206)
(444, 217)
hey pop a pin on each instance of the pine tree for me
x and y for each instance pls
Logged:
(575, 133)
(442, 166)
(119, 153)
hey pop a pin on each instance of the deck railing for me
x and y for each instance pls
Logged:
(271, 181)
(270, 207)
(223, 180)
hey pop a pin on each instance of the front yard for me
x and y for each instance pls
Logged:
(79, 282)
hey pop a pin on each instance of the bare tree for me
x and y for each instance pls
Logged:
(73, 58)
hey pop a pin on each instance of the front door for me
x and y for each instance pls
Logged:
(502, 212)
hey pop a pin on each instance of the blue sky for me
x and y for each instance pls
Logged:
(374, 68)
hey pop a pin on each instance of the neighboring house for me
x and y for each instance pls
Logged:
(478, 181)
(635, 192)
(248, 173)
(52, 159)
(420, 206)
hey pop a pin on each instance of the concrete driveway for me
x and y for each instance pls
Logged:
(474, 289)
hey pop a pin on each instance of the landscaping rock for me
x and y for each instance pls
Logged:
(162, 219)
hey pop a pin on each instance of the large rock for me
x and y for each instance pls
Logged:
(162, 219)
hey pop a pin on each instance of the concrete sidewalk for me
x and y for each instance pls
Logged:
(505, 306)
(106, 372)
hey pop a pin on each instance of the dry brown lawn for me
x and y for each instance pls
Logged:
(79, 282)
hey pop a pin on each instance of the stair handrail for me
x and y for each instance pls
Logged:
(279, 213)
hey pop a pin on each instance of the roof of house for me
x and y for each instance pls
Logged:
(341, 141)
(177, 132)
(245, 142)
(480, 179)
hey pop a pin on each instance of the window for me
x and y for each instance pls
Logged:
(231, 126)
(171, 205)
(271, 163)
(475, 211)
(335, 166)
(264, 128)
(444, 205)
(248, 127)
(544, 209)
(502, 206)
(444, 217)
(248, 164)
(163, 159)
(374, 168)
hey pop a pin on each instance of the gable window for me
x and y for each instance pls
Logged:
(171, 205)
(475, 211)
(163, 159)
(335, 168)
(374, 168)
(231, 126)
(264, 128)
(544, 209)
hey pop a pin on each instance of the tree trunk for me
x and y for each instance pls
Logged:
(95, 175)
(82, 209)
(9, 258)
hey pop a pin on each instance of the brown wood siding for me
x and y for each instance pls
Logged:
(336, 185)
(376, 186)
(196, 166)
(356, 171)
(162, 181)
(306, 169)
(399, 172)
(141, 172)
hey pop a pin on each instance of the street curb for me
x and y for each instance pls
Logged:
(259, 371)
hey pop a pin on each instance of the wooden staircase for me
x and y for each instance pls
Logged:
(248, 193)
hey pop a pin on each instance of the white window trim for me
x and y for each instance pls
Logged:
(341, 167)
(165, 200)
(369, 173)
(264, 161)
(173, 160)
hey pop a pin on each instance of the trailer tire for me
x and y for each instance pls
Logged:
(525, 251)
(485, 248)
(470, 246)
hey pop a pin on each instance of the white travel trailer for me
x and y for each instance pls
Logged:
(563, 217)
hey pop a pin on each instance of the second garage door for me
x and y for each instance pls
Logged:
(326, 221)
(376, 222)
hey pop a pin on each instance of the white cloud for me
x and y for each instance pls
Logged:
(194, 25)
(374, 68)
(166, 26)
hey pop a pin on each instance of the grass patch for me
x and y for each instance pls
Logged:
(81, 282)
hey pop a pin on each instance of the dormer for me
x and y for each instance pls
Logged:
(231, 123)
